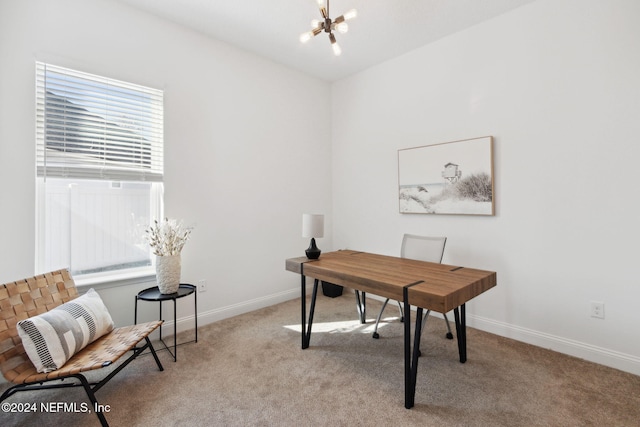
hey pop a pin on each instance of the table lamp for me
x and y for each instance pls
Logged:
(312, 226)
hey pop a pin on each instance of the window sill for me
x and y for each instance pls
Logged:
(114, 280)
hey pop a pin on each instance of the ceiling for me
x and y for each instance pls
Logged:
(382, 30)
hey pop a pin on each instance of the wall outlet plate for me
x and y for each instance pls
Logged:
(597, 309)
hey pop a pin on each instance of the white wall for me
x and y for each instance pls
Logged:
(245, 152)
(556, 83)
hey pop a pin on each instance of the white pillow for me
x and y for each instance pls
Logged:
(51, 338)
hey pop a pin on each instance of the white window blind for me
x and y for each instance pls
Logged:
(92, 127)
(99, 161)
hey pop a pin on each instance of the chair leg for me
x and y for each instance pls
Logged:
(424, 319)
(449, 334)
(361, 306)
(96, 407)
(424, 322)
(375, 330)
(401, 311)
(153, 352)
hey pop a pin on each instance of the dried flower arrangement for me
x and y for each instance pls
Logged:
(167, 238)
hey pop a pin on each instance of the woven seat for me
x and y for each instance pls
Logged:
(30, 297)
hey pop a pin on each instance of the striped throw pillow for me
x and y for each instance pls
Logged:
(51, 338)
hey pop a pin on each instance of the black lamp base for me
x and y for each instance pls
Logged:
(312, 251)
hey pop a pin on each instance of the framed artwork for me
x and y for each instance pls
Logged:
(448, 178)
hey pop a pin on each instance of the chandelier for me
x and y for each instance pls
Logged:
(329, 26)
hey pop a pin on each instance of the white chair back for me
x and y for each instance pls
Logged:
(423, 248)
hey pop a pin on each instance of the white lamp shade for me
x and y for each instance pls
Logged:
(312, 225)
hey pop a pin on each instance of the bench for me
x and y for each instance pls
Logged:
(36, 295)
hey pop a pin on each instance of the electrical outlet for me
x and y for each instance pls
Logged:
(597, 309)
(202, 286)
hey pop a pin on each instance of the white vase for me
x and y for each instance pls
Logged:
(168, 273)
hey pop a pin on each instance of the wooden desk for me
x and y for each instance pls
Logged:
(437, 287)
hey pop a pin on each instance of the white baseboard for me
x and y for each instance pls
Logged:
(186, 323)
(602, 356)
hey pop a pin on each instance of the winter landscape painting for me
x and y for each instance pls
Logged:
(449, 178)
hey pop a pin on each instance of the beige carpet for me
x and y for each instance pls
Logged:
(250, 371)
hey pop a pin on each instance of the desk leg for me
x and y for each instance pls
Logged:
(306, 331)
(303, 305)
(411, 357)
(461, 331)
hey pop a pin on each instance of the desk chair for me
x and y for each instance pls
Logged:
(421, 248)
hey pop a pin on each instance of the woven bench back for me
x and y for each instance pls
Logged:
(23, 299)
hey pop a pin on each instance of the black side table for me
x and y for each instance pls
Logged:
(153, 294)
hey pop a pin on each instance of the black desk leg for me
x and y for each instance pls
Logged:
(461, 331)
(408, 399)
(306, 330)
(303, 304)
(411, 357)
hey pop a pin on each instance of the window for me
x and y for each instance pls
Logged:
(99, 161)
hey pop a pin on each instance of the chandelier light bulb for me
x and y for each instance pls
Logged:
(334, 45)
(315, 23)
(305, 37)
(350, 14)
(336, 49)
(342, 27)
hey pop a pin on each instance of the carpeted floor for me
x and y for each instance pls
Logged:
(250, 371)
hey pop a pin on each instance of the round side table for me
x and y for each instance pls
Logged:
(153, 294)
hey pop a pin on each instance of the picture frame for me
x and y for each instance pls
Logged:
(447, 178)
